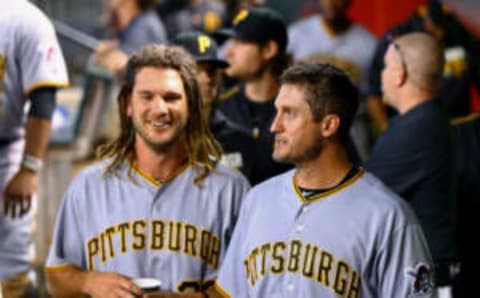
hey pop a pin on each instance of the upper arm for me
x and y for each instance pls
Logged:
(67, 246)
(405, 267)
(231, 277)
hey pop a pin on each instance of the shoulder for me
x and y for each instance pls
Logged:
(375, 195)
(302, 24)
(363, 34)
(223, 173)
(93, 174)
(31, 17)
(275, 185)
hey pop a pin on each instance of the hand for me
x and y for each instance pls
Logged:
(110, 57)
(109, 285)
(18, 193)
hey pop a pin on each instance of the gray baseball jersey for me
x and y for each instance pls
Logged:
(357, 240)
(30, 57)
(176, 232)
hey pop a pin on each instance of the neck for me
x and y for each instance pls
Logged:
(160, 166)
(338, 25)
(411, 98)
(326, 170)
(263, 88)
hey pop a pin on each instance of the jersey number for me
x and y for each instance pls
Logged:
(189, 286)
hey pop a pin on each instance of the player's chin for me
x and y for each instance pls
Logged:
(279, 155)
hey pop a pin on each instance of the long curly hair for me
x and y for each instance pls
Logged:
(203, 151)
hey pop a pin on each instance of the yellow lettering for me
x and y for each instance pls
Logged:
(214, 253)
(138, 234)
(309, 260)
(324, 268)
(264, 249)
(190, 238)
(109, 234)
(341, 280)
(294, 255)
(123, 229)
(278, 257)
(157, 235)
(92, 247)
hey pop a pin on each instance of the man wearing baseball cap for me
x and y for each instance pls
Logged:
(205, 51)
(257, 57)
(234, 139)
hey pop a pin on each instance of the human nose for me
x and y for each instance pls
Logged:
(276, 125)
(160, 105)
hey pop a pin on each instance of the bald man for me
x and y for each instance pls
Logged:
(413, 157)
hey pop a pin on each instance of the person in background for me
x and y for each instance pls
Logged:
(134, 23)
(414, 156)
(256, 56)
(235, 140)
(332, 37)
(32, 68)
(461, 73)
(191, 15)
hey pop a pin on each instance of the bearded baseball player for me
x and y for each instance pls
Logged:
(158, 205)
(337, 231)
(31, 69)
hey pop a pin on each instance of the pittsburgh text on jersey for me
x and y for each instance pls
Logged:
(155, 235)
(306, 259)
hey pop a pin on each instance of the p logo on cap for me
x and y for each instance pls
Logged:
(203, 43)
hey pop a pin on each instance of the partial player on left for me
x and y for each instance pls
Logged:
(31, 69)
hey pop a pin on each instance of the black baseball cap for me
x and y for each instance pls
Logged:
(258, 24)
(202, 47)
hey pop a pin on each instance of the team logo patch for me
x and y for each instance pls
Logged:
(422, 280)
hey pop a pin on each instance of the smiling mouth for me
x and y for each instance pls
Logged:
(160, 124)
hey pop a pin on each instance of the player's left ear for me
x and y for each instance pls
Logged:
(330, 125)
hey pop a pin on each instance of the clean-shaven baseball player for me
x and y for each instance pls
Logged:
(31, 69)
(326, 228)
(158, 206)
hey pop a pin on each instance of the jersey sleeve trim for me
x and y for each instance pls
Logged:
(221, 290)
(464, 119)
(60, 268)
(46, 84)
(229, 93)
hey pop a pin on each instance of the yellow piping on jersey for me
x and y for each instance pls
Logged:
(327, 28)
(46, 84)
(229, 93)
(156, 182)
(331, 191)
(59, 268)
(221, 290)
(465, 119)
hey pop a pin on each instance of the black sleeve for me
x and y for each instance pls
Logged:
(43, 102)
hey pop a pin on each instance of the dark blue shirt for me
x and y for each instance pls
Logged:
(414, 158)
